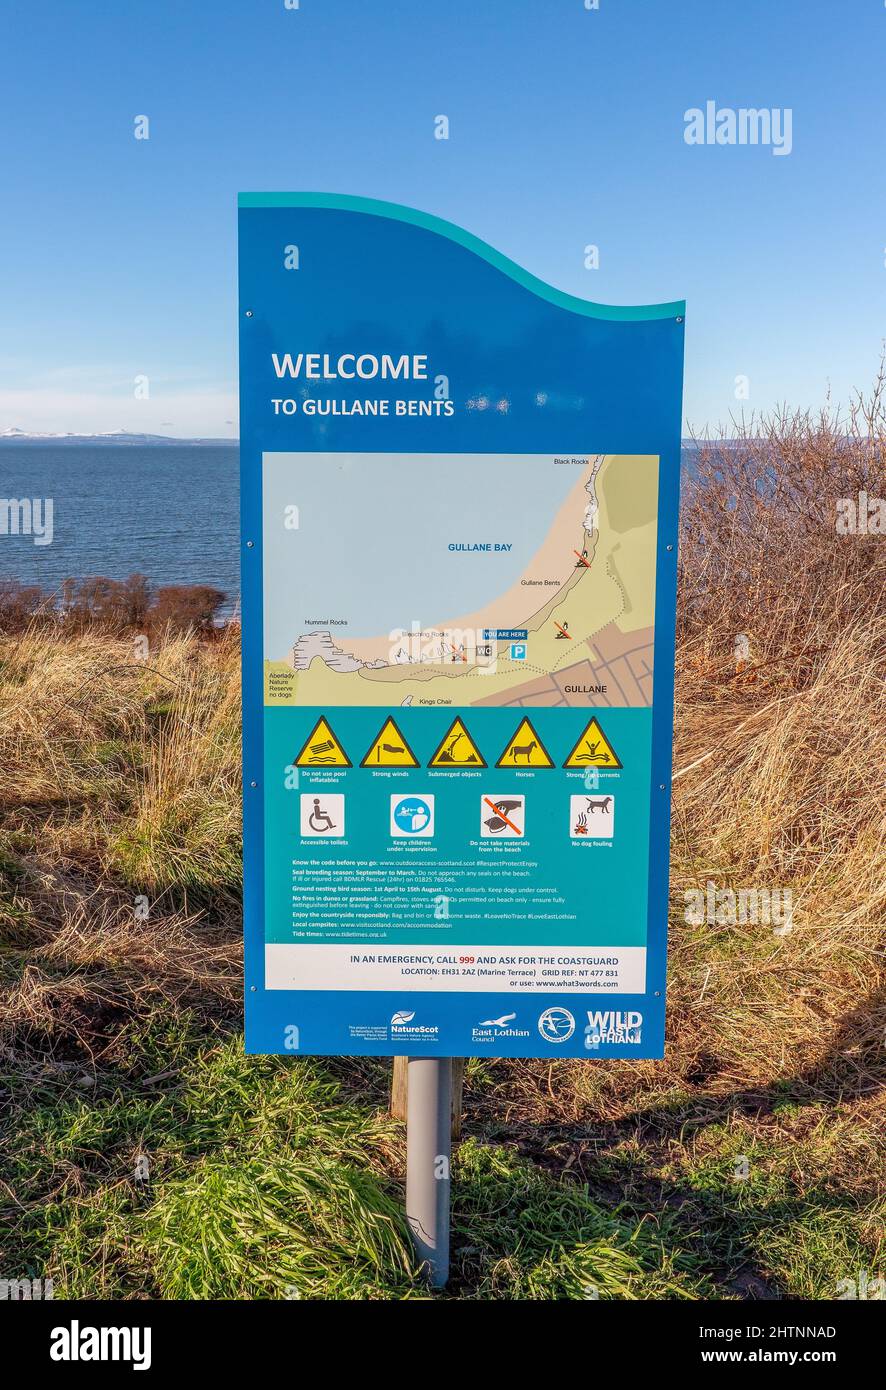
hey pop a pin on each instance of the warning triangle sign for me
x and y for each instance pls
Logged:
(457, 749)
(592, 749)
(389, 749)
(525, 749)
(321, 748)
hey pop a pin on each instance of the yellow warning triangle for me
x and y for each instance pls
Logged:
(592, 749)
(457, 749)
(321, 748)
(525, 749)
(389, 749)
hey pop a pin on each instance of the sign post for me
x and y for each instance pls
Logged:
(428, 1161)
(459, 526)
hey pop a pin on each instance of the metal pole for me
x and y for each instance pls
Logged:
(428, 1153)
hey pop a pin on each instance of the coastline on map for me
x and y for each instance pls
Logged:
(551, 568)
(588, 633)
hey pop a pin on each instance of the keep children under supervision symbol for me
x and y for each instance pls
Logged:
(412, 815)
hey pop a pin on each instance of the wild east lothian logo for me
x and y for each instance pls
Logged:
(612, 1026)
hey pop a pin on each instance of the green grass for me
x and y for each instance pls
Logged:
(275, 1178)
(526, 1234)
(267, 1181)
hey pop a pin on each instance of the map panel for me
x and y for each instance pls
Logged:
(484, 579)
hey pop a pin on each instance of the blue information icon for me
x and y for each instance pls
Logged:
(518, 651)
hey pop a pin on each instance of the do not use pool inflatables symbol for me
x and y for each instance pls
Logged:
(389, 749)
(321, 748)
(593, 749)
(457, 749)
(525, 749)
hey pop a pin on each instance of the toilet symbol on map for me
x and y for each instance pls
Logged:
(323, 815)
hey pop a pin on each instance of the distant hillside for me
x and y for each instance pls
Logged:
(17, 436)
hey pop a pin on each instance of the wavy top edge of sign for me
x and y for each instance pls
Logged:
(399, 212)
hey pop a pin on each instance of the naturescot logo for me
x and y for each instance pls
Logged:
(402, 1026)
(490, 1029)
(609, 1026)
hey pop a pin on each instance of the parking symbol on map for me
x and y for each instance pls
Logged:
(518, 651)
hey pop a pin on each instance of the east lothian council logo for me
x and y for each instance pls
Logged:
(556, 1025)
(488, 1029)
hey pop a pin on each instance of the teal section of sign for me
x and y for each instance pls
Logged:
(545, 886)
(347, 202)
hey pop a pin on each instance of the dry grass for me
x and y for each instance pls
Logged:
(119, 1029)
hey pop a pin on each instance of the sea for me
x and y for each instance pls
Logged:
(169, 511)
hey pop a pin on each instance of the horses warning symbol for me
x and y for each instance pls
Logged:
(525, 749)
(593, 749)
(457, 749)
(389, 749)
(321, 748)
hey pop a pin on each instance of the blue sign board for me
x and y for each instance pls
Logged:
(459, 528)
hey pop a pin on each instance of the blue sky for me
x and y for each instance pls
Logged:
(567, 128)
